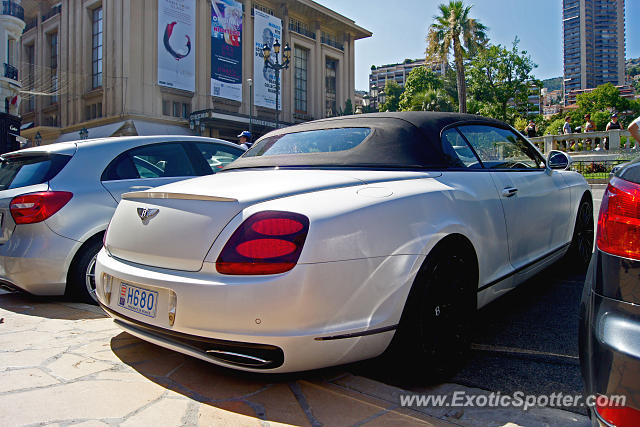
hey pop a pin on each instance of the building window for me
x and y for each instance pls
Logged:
(93, 111)
(30, 53)
(186, 110)
(176, 109)
(264, 9)
(330, 87)
(53, 50)
(53, 64)
(96, 49)
(166, 107)
(301, 65)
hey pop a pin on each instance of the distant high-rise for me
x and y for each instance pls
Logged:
(594, 45)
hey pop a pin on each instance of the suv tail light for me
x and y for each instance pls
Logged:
(36, 207)
(619, 219)
(267, 242)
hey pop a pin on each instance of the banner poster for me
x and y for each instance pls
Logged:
(176, 39)
(266, 30)
(226, 49)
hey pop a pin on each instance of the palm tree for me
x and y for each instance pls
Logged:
(455, 30)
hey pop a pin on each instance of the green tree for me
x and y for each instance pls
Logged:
(419, 80)
(393, 92)
(501, 80)
(604, 97)
(520, 123)
(432, 100)
(348, 108)
(555, 127)
(454, 30)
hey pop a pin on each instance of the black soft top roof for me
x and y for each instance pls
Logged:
(397, 140)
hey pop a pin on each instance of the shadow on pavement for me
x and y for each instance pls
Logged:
(48, 307)
(273, 397)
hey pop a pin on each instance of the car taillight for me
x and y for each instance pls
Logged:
(36, 207)
(620, 416)
(619, 219)
(267, 242)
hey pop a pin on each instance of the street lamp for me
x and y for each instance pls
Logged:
(276, 66)
(250, 83)
(84, 133)
(38, 139)
(374, 97)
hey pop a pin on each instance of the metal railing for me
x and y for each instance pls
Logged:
(598, 169)
(332, 43)
(13, 9)
(301, 30)
(587, 142)
(52, 12)
(32, 23)
(10, 71)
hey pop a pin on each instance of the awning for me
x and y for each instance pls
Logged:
(153, 128)
(26, 125)
(103, 131)
(143, 128)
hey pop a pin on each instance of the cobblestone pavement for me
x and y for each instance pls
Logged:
(67, 364)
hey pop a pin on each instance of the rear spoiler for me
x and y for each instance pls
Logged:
(181, 196)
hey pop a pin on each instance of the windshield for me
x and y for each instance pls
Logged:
(314, 141)
(24, 170)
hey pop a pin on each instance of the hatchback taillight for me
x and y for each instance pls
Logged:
(267, 242)
(619, 219)
(36, 207)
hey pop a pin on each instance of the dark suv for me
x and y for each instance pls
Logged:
(610, 306)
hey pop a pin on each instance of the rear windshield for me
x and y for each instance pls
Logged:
(313, 141)
(24, 170)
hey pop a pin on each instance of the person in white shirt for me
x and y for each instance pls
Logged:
(634, 130)
(245, 139)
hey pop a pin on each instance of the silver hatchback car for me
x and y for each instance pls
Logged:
(56, 201)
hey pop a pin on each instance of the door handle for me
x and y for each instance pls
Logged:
(140, 187)
(509, 191)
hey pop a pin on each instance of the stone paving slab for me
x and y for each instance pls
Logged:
(68, 364)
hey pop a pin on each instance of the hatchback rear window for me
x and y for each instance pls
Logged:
(24, 170)
(307, 142)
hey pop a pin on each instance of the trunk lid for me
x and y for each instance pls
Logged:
(183, 219)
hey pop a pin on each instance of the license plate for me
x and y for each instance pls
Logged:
(142, 301)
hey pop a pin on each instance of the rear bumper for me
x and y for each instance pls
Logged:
(609, 340)
(317, 315)
(36, 260)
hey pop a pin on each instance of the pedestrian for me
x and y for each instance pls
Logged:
(589, 126)
(531, 129)
(245, 139)
(634, 130)
(566, 129)
(613, 124)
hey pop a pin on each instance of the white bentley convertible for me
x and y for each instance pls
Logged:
(335, 240)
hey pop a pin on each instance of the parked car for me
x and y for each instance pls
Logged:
(610, 306)
(356, 234)
(56, 201)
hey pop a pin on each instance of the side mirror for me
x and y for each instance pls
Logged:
(558, 160)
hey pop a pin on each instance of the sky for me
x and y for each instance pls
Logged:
(400, 27)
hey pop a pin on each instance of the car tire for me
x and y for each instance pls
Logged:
(81, 278)
(581, 247)
(435, 330)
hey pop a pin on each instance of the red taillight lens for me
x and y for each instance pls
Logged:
(619, 219)
(620, 416)
(35, 207)
(268, 242)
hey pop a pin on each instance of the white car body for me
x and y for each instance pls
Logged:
(370, 231)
